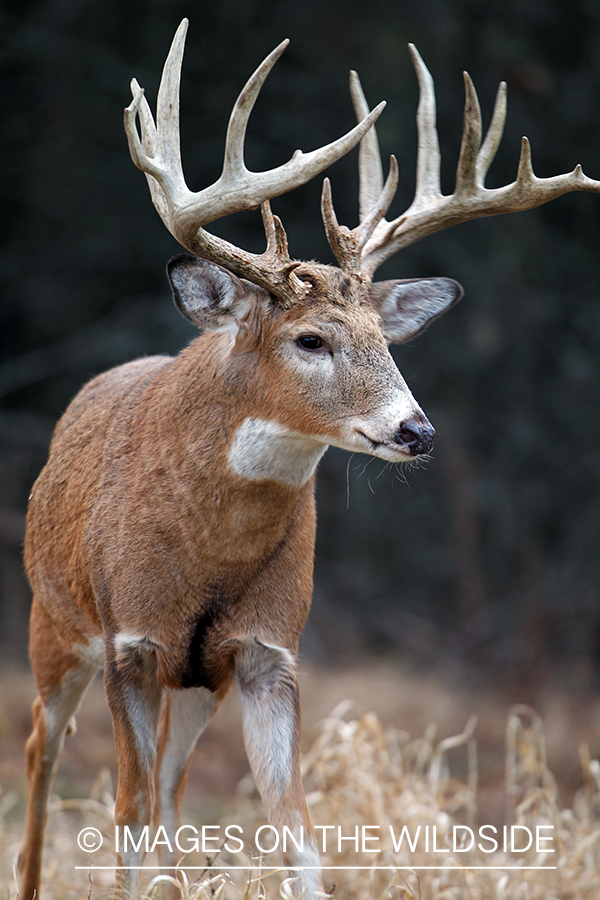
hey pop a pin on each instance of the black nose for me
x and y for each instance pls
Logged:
(416, 436)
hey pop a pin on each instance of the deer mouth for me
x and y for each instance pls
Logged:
(389, 447)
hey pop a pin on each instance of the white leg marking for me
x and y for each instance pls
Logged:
(140, 708)
(134, 699)
(267, 679)
(271, 717)
(63, 706)
(93, 651)
(127, 643)
(142, 715)
(311, 876)
(189, 714)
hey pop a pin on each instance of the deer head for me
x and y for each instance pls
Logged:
(324, 330)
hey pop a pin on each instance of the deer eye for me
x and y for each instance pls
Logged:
(313, 343)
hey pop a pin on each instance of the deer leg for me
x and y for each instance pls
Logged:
(134, 699)
(185, 715)
(62, 678)
(271, 718)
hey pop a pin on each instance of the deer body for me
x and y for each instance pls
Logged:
(181, 479)
(171, 534)
(166, 519)
(178, 495)
(170, 537)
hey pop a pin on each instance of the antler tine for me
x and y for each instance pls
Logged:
(157, 153)
(348, 245)
(466, 182)
(161, 141)
(375, 197)
(146, 149)
(494, 135)
(249, 189)
(369, 224)
(428, 153)
(369, 157)
(475, 158)
(233, 164)
(167, 106)
(277, 245)
(525, 175)
(142, 150)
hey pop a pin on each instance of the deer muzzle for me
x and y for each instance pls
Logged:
(415, 436)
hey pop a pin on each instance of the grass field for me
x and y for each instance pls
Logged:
(406, 750)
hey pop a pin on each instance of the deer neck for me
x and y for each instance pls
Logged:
(225, 415)
(238, 472)
(266, 450)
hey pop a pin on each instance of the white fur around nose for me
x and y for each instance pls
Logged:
(264, 449)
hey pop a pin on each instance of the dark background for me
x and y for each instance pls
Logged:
(487, 563)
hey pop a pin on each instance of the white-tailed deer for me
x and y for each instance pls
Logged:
(170, 536)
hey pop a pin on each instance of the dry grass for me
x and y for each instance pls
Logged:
(357, 773)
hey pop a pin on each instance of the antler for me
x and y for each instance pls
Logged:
(430, 210)
(157, 153)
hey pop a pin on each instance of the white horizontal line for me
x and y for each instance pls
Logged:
(301, 868)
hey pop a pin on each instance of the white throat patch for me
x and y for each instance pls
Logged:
(264, 449)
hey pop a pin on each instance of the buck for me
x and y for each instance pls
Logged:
(170, 536)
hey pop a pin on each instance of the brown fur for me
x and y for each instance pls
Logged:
(140, 534)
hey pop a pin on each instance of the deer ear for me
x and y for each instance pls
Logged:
(408, 307)
(209, 296)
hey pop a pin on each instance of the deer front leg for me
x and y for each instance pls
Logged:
(271, 718)
(185, 715)
(134, 700)
(62, 679)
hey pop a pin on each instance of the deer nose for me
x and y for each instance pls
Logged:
(416, 436)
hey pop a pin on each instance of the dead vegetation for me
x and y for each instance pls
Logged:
(366, 780)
